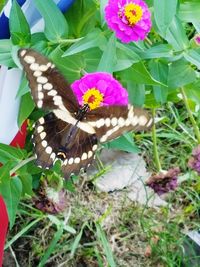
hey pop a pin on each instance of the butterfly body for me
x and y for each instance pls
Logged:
(71, 132)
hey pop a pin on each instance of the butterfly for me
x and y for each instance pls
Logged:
(70, 132)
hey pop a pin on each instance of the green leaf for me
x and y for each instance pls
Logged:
(164, 12)
(106, 246)
(77, 240)
(70, 66)
(82, 17)
(103, 4)
(124, 143)
(26, 180)
(2, 4)
(11, 153)
(193, 56)
(93, 39)
(56, 26)
(40, 43)
(19, 27)
(51, 247)
(136, 93)
(158, 51)
(126, 57)
(5, 53)
(26, 107)
(176, 35)
(24, 87)
(139, 74)
(73, 66)
(180, 74)
(196, 24)
(23, 231)
(108, 59)
(128, 50)
(10, 189)
(159, 71)
(189, 11)
(193, 92)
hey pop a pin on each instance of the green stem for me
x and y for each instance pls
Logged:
(155, 148)
(21, 164)
(194, 124)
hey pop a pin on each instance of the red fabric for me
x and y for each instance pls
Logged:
(18, 141)
(3, 227)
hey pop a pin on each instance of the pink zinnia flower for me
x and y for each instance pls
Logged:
(130, 19)
(197, 39)
(194, 161)
(99, 89)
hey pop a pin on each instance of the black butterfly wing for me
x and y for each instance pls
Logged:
(49, 88)
(110, 122)
(56, 139)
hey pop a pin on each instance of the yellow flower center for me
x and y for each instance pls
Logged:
(133, 13)
(93, 98)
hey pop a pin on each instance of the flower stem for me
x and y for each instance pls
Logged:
(155, 148)
(21, 164)
(194, 124)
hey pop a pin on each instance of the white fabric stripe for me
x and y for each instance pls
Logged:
(9, 105)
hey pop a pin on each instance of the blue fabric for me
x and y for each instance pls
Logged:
(4, 21)
(64, 4)
(4, 27)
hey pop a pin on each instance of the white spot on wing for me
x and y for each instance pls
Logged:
(48, 150)
(34, 66)
(37, 73)
(66, 116)
(71, 160)
(131, 113)
(53, 156)
(40, 129)
(150, 122)
(47, 86)
(39, 87)
(114, 121)
(65, 162)
(100, 123)
(52, 93)
(94, 147)
(121, 122)
(90, 154)
(127, 122)
(40, 95)
(77, 160)
(44, 143)
(42, 79)
(103, 138)
(84, 156)
(39, 103)
(29, 59)
(142, 120)
(107, 122)
(134, 120)
(43, 67)
(57, 100)
(41, 120)
(22, 53)
(43, 134)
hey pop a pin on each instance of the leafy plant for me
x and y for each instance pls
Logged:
(160, 73)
